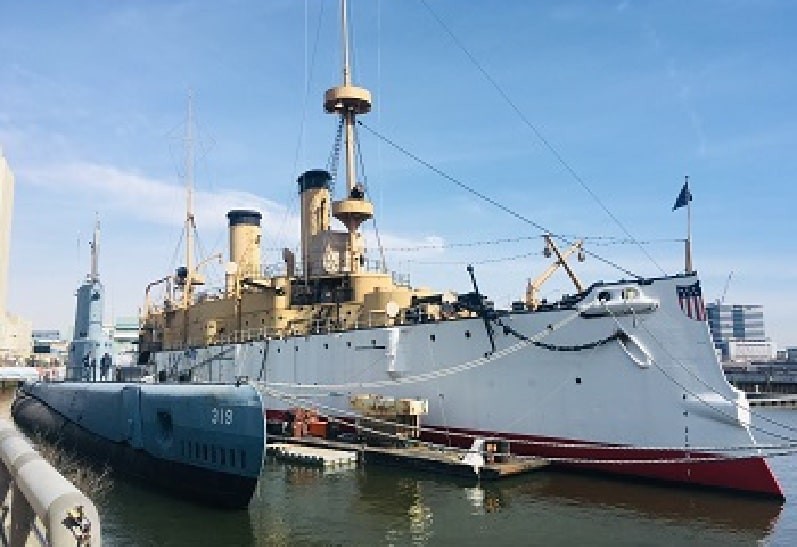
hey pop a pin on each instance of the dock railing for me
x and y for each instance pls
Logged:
(39, 505)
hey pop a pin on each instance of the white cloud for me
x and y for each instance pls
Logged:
(149, 199)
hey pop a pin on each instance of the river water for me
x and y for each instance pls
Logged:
(384, 506)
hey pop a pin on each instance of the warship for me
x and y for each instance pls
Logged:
(202, 442)
(618, 378)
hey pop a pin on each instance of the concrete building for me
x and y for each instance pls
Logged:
(6, 212)
(49, 348)
(125, 341)
(15, 333)
(738, 331)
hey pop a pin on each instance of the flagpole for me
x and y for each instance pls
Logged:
(688, 249)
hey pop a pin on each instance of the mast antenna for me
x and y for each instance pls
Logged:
(94, 276)
(190, 224)
(348, 101)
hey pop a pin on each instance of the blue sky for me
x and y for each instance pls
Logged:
(632, 95)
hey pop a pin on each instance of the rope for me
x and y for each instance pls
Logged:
(546, 143)
(435, 374)
(782, 450)
(489, 200)
(697, 397)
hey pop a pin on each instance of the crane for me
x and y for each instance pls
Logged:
(725, 288)
(533, 287)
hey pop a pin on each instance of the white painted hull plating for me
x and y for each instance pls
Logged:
(665, 390)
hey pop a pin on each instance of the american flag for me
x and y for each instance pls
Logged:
(691, 300)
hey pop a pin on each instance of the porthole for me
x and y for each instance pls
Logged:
(578, 379)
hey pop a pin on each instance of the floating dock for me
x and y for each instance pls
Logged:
(310, 455)
(422, 457)
(785, 401)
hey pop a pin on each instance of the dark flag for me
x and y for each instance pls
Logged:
(684, 197)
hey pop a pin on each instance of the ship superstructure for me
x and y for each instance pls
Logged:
(620, 377)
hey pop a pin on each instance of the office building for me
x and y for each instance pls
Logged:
(15, 332)
(738, 331)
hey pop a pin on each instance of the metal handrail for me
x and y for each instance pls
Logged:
(41, 501)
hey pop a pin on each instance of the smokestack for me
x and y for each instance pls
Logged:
(314, 192)
(245, 242)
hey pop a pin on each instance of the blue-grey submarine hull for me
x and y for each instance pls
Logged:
(203, 442)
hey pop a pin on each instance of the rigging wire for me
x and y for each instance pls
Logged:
(308, 77)
(359, 152)
(488, 199)
(713, 390)
(546, 143)
(694, 454)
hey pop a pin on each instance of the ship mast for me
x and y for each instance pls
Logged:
(347, 101)
(94, 276)
(190, 224)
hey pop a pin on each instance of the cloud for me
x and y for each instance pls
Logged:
(150, 199)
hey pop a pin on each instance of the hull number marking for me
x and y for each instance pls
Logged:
(221, 416)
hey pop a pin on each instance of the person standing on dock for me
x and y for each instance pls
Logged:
(105, 366)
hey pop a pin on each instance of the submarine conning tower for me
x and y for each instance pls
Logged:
(245, 236)
(91, 350)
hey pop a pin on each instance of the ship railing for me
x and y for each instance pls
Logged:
(367, 265)
(39, 504)
(245, 335)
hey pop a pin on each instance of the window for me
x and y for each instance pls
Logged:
(630, 293)
(232, 457)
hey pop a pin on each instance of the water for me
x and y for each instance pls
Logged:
(382, 506)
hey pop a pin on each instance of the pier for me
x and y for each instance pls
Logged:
(423, 457)
(770, 400)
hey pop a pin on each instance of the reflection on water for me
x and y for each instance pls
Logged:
(295, 505)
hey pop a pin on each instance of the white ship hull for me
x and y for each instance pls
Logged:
(653, 403)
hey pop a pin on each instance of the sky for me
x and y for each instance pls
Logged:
(580, 117)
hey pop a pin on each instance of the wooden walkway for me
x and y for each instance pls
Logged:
(437, 460)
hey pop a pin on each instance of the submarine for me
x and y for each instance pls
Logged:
(201, 442)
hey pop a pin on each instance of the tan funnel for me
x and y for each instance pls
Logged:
(245, 242)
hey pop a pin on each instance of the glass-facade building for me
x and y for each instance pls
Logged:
(736, 326)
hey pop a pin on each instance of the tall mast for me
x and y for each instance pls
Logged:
(190, 224)
(348, 114)
(348, 101)
(688, 248)
(94, 276)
